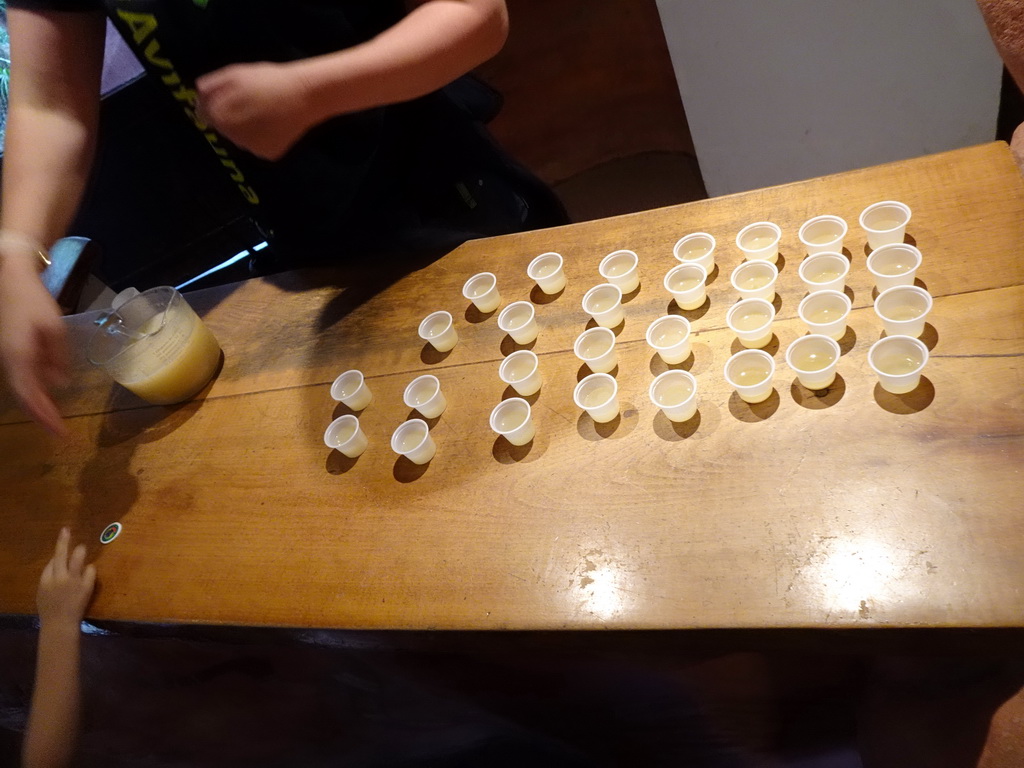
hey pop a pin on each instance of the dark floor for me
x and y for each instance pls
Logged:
(193, 697)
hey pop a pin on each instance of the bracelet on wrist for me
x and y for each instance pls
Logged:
(16, 240)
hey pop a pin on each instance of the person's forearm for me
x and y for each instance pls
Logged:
(53, 721)
(439, 41)
(51, 123)
(1005, 20)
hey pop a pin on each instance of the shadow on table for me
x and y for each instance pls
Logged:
(754, 412)
(912, 402)
(818, 399)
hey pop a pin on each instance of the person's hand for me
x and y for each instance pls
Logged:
(1017, 146)
(65, 586)
(261, 107)
(33, 345)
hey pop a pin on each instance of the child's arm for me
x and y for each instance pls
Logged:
(64, 592)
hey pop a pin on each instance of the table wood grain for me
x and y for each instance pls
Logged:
(853, 509)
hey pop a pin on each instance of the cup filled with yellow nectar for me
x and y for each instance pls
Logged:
(751, 321)
(750, 373)
(512, 419)
(155, 345)
(760, 240)
(813, 359)
(898, 362)
(823, 233)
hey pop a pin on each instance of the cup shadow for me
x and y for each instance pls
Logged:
(753, 413)
(675, 431)
(911, 402)
(406, 471)
(818, 399)
(338, 463)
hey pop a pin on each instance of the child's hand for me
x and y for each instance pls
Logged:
(65, 586)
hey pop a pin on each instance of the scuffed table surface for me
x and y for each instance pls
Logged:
(857, 508)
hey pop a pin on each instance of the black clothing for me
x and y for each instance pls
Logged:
(422, 175)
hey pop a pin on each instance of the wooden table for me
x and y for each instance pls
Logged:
(855, 509)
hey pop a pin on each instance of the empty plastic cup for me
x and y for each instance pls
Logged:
(513, 420)
(825, 313)
(698, 248)
(412, 439)
(686, 283)
(519, 321)
(898, 362)
(350, 388)
(438, 329)
(750, 373)
(675, 393)
(598, 395)
(814, 359)
(823, 233)
(755, 280)
(604, 303)
(345, 435)
(760, 241)
(751, 321)
(903, 310)
(482, 290)
(620, 268)
(425, 395)
(596, 348)
(824, 271)
(669, 336)
(894, 264)
(546, 270)
(885, 222)
(521, 371)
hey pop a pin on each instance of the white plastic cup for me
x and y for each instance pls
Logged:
(824, 271)
(698, 248)
(621, 268)
(898, 362)
(823, 233)
(350, 388)
(412, 439)
(760, 240)
(686, 283)
(675, 392)
(751, 321)
(521, 371)
(894, 264)
(825, 313)
(750, 373)
(814, 359)
(546, 270)
(344, 434)
(482, 290)
(903, 310)
(604, 303)
(425, 395)
(885, 222)
(598, 395)
(439, 330)
(669, 336)
(596, 348)
(513, 420)
(755, 280)
(519, 320)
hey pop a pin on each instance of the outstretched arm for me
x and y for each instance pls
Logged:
(64, 591)
(57, 58)
(266, 108)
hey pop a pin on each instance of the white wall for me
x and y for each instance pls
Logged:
(781, 90)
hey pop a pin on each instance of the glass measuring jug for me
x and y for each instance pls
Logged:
(155, 345)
